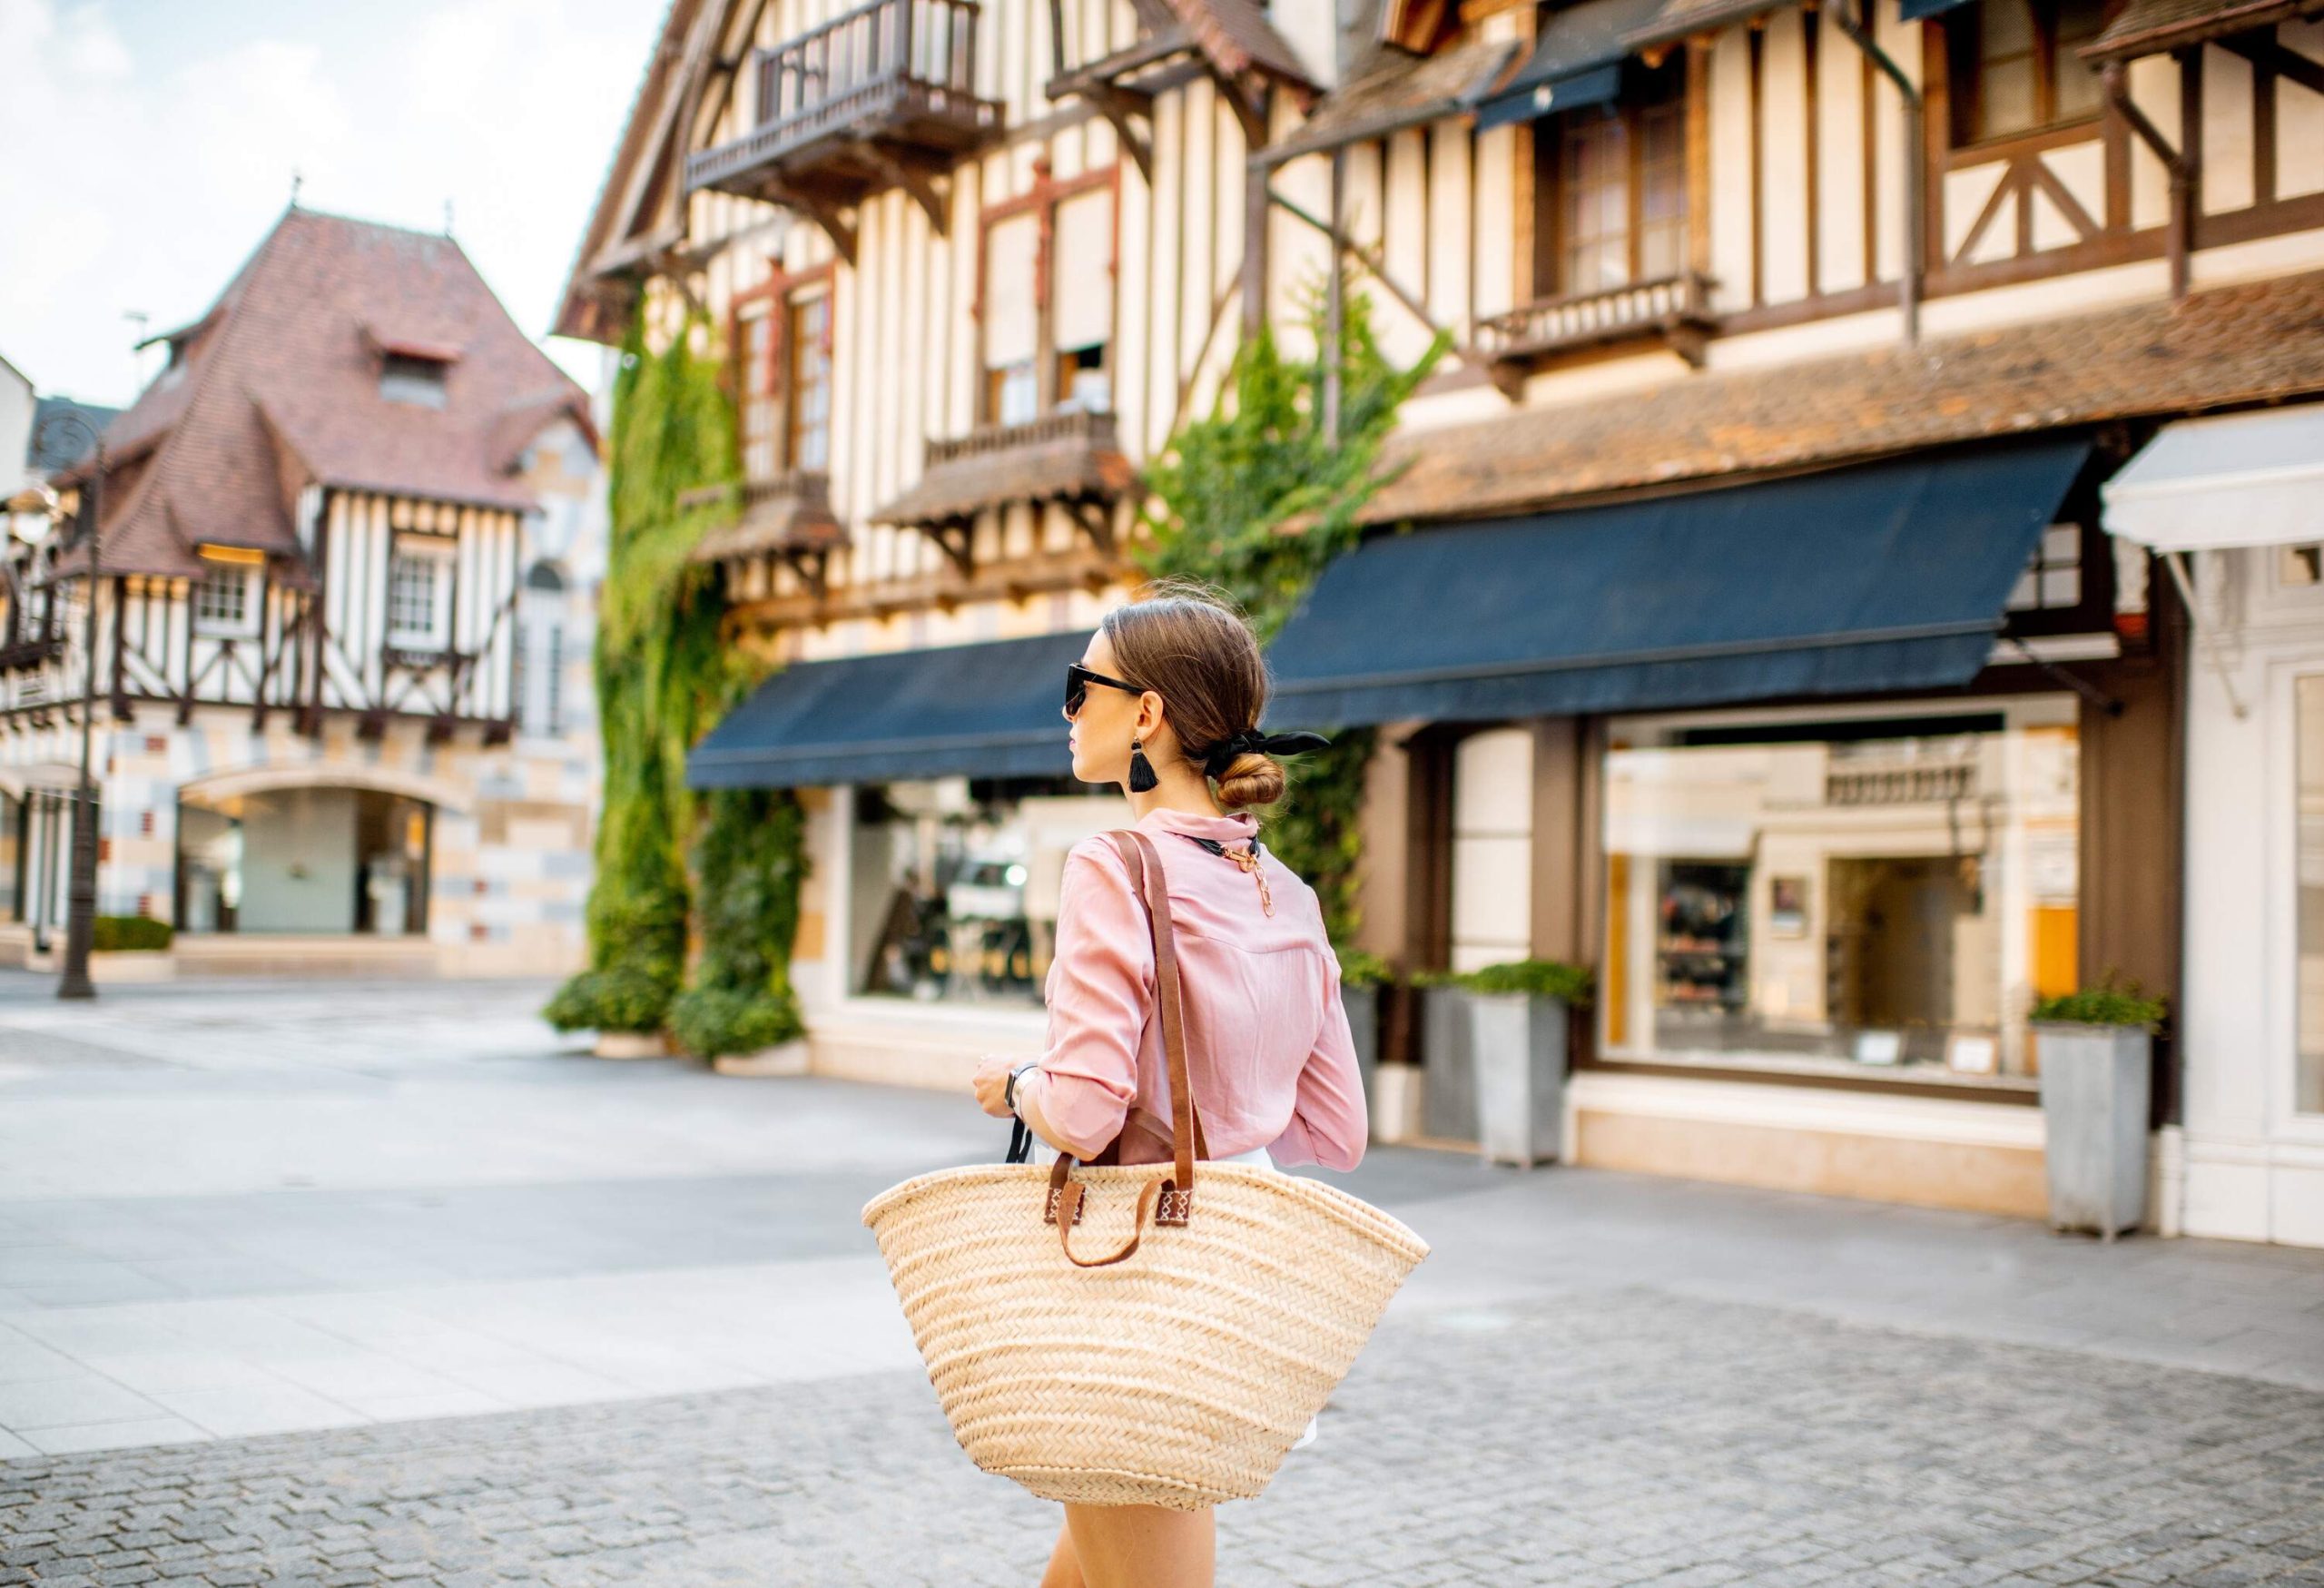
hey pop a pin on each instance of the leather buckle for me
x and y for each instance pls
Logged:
(1175, 1207)
(1048, 1214)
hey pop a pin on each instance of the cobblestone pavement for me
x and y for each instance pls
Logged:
(1621, 1437)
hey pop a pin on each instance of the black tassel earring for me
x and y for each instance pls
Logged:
(1141, 770)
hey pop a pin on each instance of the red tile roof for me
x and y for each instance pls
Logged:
(2225, 348)
(278, 388)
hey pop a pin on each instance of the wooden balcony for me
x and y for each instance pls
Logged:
(883, 96)
(30, 654)
(783, 513)
(1676, 309)
(1072, 458)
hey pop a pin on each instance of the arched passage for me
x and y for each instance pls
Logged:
(321, 850)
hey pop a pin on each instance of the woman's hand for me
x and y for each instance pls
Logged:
(991, 1085)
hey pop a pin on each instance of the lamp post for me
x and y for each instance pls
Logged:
(81, 898)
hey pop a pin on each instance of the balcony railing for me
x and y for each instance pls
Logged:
(896, 73)
(1676, 307)
(1074, 428)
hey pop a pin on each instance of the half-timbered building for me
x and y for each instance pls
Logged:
(341, 625)
(1776, 634)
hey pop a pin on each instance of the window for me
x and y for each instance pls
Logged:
(2052, 578)
(956, 897)
(404, 377)
(783, 337)
(1841, 895)
(226, 599)
(419, 593)
(807, 441)
(1615, 179)
(1046, 299)
(2300, 567)
(2016, 66)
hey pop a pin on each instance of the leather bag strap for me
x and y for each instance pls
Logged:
(1174, 1196)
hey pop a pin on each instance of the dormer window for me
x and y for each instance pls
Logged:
(407, 378)
(228, 592)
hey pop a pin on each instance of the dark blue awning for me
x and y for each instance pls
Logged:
(1885, 575)
(988, 710)
(1598, 85)
(1921, 10)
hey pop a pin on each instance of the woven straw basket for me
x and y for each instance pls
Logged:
(1115, 1336)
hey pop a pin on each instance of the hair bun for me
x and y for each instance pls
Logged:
(1251, 778)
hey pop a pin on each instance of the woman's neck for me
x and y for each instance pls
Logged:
(1180, 789)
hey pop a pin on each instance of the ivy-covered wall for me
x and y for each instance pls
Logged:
(1253, 499)
(665, 675)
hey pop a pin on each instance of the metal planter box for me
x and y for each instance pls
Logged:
(1363, 1007)
(1519, 1043)
(2094, 1100)
(1448, 1101)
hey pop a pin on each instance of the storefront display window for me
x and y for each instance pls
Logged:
(956, 884)
(1856, 892)
(2308, 1081)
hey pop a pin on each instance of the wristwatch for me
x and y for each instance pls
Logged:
(1009, 1092)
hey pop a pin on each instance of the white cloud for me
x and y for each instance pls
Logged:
(144, 163)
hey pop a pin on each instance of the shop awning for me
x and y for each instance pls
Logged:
(1886, 575)
(1578, 54)
(2234, 479)
(987, 710)
(1922, 10)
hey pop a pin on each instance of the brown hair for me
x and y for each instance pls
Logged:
(1188, 644)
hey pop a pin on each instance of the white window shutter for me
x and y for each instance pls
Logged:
(1081, 310)
(1011, 332)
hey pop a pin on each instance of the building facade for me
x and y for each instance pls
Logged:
(340, 631)
(1762, 639)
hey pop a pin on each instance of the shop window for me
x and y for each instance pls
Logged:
(2016, 66)
(2308, 815)
(1614, 182)
(305, 859)
(956, 887)
(1886, 895)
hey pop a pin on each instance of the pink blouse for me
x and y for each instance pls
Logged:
(1267, 1040)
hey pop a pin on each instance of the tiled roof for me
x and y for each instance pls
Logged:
(280, 388)
(2223, 348)
(1390, 91)
(2146, 27)
(1237, 36)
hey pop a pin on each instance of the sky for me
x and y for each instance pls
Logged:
(146, 146)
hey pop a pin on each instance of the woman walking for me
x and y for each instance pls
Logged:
(1166, 701)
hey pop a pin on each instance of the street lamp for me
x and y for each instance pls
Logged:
(80, 898)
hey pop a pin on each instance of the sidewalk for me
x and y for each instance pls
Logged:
(369, 1284)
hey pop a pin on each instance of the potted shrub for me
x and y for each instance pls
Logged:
(2097, 1049)
(624, 1005)
(1517, 1021)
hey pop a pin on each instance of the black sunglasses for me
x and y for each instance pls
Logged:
(1078, 679)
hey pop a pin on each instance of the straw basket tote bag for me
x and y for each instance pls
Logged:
(1114, 1337)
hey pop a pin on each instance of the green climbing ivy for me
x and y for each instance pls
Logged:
(750, 859)
(663, 676)
(1253, 499)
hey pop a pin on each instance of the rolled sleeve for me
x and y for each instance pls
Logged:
(1100, 988)
(1329, 1124)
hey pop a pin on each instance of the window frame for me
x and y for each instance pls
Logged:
(442, 553)
(1965, 72)
(769, 375)
(1657, 91)
(253, 599)
(1043, 200)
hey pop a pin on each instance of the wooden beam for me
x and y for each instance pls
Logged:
(912, 177)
